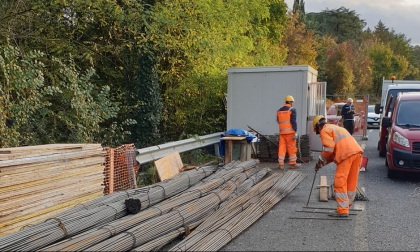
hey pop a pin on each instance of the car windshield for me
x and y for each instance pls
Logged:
(406, 115)
(371, 109)
(394, 93)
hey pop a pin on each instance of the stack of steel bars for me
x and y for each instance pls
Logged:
(39, 182)
(219, 206)
(178, 217)
(236, 216)
(98, 212)
(94, 236)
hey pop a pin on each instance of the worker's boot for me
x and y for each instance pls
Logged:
(294, 166)
(281, 167)
(337, 214)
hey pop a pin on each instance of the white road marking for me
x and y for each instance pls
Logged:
(363, 146)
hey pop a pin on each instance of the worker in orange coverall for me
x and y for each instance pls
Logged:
(339, 146)
(286, 117)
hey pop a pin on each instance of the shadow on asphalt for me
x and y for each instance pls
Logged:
(407, 176)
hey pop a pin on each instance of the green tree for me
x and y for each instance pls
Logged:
(69, 109)
(196, 42)
(360, 65)
(300, 43)
(146, 103)
(399, 43)
(342, 23)
(326, 44)
(104, 35)
(339, 71)
(381, 56)
(299, 6)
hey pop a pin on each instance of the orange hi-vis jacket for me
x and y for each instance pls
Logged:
(338, 144)
(284, 119)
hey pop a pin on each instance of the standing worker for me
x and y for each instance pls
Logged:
(286, 117)
(347, 112)
(339, 146)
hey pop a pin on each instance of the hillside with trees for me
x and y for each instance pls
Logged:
(149, 72)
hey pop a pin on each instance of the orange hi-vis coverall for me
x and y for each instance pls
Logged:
(339, 146)
(286, 117)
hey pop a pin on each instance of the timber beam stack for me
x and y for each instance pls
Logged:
(38, 182)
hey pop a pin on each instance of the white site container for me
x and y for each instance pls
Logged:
(256, 93)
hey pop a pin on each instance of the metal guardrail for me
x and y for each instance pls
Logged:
(159, 151)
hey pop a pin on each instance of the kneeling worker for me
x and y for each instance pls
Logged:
(339, 146)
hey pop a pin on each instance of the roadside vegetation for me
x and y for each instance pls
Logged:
(153, 71)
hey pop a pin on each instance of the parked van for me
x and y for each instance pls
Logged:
(403, 139)
(380, 108)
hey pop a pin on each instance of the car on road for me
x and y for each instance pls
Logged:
(373, 119)
(403, 134)
(334, 116)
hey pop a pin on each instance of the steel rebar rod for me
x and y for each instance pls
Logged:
(217, 234)
(181, 216)
(98, 212)
(91, 238)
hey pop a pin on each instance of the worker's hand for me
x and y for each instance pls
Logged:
(295, 136)
(321, 161)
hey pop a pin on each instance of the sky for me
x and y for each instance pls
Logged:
(401, 15)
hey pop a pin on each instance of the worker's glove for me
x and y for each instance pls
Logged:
(295, 136)
(321, 162)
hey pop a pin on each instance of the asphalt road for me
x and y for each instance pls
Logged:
(389, 221)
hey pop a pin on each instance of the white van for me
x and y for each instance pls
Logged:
(393, 90)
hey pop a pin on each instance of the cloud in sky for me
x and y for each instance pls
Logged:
(401, 15)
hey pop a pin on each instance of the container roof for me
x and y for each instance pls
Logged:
(272, 69)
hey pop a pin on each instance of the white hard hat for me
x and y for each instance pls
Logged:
(349, 100)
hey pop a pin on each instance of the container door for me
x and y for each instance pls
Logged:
(316, 106)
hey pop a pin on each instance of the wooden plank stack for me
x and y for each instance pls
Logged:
(38, 182)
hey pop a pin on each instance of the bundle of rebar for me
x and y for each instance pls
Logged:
(233, 218)
(178, 217)
(158, 243)
(99, 212)
(92, 237)
(38, 182)
(93, 226)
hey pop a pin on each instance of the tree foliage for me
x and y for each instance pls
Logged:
(153, 71)
(299, 43)
(339, 71)
(70, 109)
(342, 23)
(198, 41)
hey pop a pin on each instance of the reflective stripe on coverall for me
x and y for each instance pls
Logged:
(286, 134)
(339, 146)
